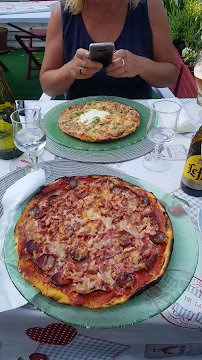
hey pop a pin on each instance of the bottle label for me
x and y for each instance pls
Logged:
(192, 174)
(6, 136)
(6, 110)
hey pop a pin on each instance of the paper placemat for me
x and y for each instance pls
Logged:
(118, 155)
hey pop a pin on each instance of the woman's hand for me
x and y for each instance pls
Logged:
(81, 67)
(158, 72)
(124, 64)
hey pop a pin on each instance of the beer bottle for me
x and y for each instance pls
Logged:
(8, 149)
(191, 182)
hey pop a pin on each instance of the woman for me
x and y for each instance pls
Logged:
(144, 54)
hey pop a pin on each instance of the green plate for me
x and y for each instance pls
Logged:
(50, 122)
(150, 303)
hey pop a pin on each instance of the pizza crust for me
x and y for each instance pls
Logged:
(47, 244)
(99, 120)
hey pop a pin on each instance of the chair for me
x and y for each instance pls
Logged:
(30, 49)
(163, 92)
(3, 66)
(24, 37)
(185, 86)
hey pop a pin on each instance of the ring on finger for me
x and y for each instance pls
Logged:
(81, 70)
(123, 62)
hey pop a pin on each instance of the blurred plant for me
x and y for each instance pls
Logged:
(189, 56)
(172, 6)
(185, 19)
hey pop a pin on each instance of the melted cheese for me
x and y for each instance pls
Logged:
(90, 116)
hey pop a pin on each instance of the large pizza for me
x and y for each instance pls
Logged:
(99, 120)
(93, 241)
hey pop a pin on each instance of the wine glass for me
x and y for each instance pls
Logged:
(28, 133)
(198, 77)
(161, 128)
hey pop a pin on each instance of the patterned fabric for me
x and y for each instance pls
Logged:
(190, 204)
(136, 36)
(126, 153)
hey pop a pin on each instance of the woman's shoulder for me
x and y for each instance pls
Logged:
(156, 11)
(59, 8)
(155, 5)
(56, 10)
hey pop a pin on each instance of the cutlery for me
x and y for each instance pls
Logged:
(199, 219)
(20, 105)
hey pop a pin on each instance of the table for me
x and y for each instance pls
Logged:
(179, 324)
(32, 11)
(12, 13)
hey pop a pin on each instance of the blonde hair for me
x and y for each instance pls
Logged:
(76, 6)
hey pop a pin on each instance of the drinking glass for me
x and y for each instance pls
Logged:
(161, 128)
(28, 133)
(198, 77)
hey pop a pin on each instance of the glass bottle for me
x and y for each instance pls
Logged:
(8, 149)
(191, 181)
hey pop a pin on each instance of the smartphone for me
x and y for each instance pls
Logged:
(102, 52)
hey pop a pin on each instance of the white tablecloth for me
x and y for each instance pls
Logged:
(179, 324)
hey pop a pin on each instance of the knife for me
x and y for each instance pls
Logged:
(200, 220)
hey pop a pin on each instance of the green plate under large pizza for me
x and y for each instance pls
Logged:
(150, 303)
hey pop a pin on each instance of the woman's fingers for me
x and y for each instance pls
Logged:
(83, 67)
(117, 68)
(123, 64)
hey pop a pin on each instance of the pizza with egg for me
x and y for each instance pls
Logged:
(99, 120)
(93, 241)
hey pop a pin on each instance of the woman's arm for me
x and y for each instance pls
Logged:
(162, 70)
(55, 76)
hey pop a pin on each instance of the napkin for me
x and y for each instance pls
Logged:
(185, 124)
(14, 196)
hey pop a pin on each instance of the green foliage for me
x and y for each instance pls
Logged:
(172, 6)
(185, 18)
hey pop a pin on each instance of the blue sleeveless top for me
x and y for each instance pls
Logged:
(136, 37)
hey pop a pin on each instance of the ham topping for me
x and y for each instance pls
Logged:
(97, 238)
(158, 238)
(46, 262)
(125, 280)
